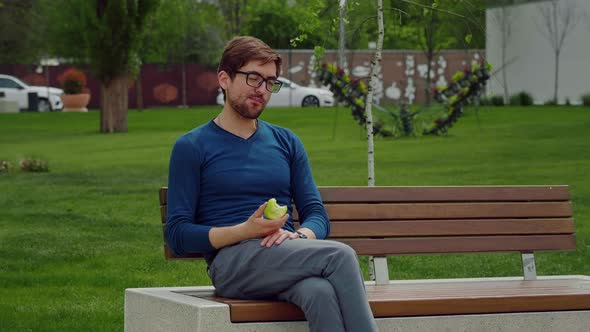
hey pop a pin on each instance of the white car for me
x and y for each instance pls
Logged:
(18, 91)
(293, 94)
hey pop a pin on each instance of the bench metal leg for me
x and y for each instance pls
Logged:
(378, 270)
(528, 266)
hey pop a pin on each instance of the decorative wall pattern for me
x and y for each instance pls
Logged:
(401, 76)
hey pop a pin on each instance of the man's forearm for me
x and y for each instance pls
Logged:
(224, 236)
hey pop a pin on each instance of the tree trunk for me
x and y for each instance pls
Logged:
(139, 91)
(183, 84)
(429, 32)
(556, 87)
(114, 103)
(505, 26)
(369, 101)
(504, 80)
(369, 115)
(341, 36)
(428, 90)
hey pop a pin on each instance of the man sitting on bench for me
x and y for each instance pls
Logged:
(222, 173)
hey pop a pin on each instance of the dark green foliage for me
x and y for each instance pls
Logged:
(33, 165)
(114, 36)
(21, 41)
(5, 167)
(275, 22)
(72, 87)
(492, 101)
(497, 101)
(105, 33)
(184, 31)
(522, 98)
(550, 102)
(465, 87)
(586, 99)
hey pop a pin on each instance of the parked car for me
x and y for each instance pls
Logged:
(17, 90)
(293, 94)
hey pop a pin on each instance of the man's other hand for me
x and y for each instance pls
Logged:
(277, 238)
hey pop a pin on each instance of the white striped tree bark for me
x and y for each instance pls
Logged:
(368, 102)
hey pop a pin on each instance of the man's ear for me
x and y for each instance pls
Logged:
(223, 79)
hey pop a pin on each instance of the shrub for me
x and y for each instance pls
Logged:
(492, 100)
(550, 102)
(5, 167)
(586, 99)
(72, 81)
(497, 100)
(484, 101)
(33, 165)
(521, 99)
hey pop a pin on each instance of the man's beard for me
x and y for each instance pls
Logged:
(244, 110)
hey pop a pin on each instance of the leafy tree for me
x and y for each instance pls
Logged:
(503, 17)
(234, 12)
(183, 31)
(433, 25)
(107, 35)
(275, 22)
(19, 41)
(559, 18)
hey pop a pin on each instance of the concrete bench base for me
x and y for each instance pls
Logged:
(177, 309)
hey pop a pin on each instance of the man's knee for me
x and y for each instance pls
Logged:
(344, 251)
(317, 291)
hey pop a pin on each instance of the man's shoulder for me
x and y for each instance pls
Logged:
(278, 130)
(198, 132)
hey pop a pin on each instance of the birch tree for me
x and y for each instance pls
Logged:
(341, 35)
(375, 63)
(559, 18)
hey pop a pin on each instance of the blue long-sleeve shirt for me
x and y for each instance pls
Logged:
(218, 179)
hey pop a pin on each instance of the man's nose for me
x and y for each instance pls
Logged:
(261, 89)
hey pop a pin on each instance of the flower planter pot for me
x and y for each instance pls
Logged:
(76, 102)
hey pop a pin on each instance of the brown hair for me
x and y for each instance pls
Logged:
(243, 49)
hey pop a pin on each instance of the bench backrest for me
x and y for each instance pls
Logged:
(379, 221)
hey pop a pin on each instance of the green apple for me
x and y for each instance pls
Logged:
(273, 210)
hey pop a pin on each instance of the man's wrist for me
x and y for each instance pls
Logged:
(308, 232)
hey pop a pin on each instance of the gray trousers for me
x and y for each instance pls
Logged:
(322, 277)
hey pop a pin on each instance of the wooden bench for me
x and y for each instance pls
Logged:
(383, 221)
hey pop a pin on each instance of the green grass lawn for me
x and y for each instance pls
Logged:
(73, 239)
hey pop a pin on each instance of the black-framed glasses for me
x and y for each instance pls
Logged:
(255, 80)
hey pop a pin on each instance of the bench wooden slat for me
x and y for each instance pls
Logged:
(436, 194)
(444, 194)
(342, 212)
(470, 227)
(440, 298)
(445, 219)
(429, 245)
(447, 211)
(401, 228)
(436, 245)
